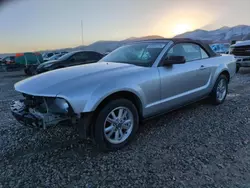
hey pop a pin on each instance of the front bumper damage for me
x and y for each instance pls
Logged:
(33, 118)
(41, 112)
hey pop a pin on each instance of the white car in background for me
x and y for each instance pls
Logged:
(220, 48)
(241, 51)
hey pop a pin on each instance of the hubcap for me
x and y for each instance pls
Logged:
(118, 125)
(221, 89)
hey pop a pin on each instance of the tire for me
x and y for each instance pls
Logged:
(110, 143)
(28, 72)
(218, 97)
(237, 68)
(32, 70)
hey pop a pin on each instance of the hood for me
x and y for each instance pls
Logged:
(55, 82)
(241, 43)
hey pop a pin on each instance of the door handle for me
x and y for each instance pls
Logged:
(202, 67)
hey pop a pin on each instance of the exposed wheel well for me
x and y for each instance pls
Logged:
(121, 94)
(226, 73)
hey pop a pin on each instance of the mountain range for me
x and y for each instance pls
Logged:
(221, 35)
(224, 34)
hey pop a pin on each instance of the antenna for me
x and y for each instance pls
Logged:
(82, 31)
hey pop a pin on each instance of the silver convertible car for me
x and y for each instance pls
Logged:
(107, 100)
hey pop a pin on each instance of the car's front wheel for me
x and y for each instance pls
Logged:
(116, 124)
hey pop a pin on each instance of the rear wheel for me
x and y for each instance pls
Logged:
(28, 72)
(220, 90)
(116, 124)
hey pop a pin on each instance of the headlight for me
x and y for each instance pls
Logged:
(57, 105)
(62, 104)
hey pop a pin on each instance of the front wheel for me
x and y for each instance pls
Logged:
(220, 90)
(116, 124)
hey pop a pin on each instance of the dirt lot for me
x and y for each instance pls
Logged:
(198, 146)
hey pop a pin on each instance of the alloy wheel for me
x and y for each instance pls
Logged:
(118, 125)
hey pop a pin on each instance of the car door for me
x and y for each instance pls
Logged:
(182, 83)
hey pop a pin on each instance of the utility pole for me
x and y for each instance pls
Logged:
(82, 31)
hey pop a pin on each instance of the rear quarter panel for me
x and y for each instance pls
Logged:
(222, 63)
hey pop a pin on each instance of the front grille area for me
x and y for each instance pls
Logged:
(32, 101)
(241, 50)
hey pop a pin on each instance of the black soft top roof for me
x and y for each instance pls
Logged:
(204, 45)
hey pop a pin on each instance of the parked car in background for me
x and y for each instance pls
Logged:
(70, 59)
(46, 56)
(220, 48)
(108, 99)
(56, 56)
(241, 51)
(9, 64)
(8, 60)
(29, 61)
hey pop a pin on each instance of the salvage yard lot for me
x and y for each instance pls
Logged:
(200, 145)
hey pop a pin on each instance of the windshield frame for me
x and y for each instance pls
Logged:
(143, 64)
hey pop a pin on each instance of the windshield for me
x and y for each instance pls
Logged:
(141, 54)
(55, 57)
(66, 56)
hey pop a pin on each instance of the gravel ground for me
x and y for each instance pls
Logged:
(200, 145)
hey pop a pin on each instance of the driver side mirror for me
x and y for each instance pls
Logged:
(171, 60)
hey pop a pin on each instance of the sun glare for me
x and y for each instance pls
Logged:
(181, 28)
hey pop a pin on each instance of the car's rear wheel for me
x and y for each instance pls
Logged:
(116, 124)
(220, 90)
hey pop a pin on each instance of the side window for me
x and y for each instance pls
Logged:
(80, 56)
(204, 54)
(94, 56)
(50, 54)
(190, 51)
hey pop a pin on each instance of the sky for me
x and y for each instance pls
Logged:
(32, 25)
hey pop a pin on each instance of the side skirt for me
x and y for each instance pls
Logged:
(174, 109)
